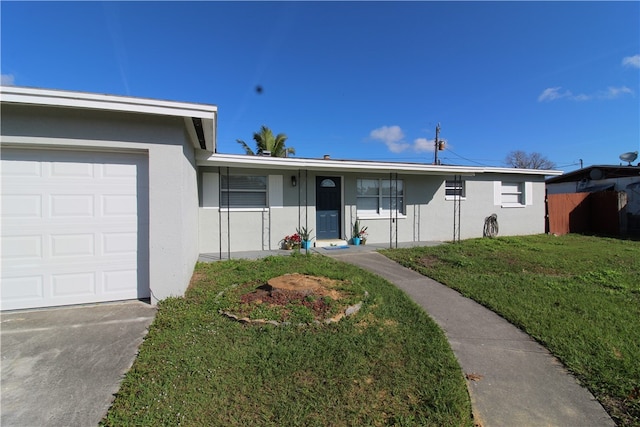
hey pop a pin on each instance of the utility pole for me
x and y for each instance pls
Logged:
(437, 145)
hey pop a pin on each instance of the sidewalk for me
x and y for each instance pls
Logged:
(514, 380)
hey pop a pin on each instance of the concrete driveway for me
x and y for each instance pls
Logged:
(62, 366)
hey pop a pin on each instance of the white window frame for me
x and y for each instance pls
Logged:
(450, 184)
(380, 212)
(223, 190)
(524, 192)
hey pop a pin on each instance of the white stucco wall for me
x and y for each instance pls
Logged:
(428, 215)
(248, 228)
(173, 192)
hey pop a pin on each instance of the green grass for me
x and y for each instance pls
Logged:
(577, 295)
(388, 365)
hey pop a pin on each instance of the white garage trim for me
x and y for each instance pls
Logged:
(74, 227)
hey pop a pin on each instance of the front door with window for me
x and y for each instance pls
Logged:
(328, 203)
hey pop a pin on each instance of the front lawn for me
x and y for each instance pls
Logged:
(389, 364)
(577, 295)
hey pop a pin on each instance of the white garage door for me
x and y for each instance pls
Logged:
(74, 227)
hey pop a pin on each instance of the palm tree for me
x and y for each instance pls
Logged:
(266, 141)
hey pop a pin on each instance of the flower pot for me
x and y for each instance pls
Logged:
(306, 244)
(356, 241)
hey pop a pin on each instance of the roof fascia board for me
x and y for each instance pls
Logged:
(55, 98)
(209, 126)
(573, 175)
(356, 166)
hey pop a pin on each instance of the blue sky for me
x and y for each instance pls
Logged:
(358, 80)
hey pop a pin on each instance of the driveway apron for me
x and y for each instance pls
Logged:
(62, 366)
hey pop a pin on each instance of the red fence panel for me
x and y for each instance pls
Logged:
(584, 213)
(605, 213)
(568, 213)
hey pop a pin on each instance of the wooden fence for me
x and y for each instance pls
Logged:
(598, 213)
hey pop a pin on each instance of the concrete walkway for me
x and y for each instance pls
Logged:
(516, 381)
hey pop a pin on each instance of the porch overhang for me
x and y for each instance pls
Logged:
(333, 166)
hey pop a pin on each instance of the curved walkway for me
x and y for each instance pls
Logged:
(512, 380)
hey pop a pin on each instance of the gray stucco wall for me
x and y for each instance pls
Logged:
(172, 228)
(428, 216)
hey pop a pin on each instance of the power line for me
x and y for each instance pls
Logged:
(464, 158)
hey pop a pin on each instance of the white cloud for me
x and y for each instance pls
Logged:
(7, 80)
(615, 92)
(392, 136)
(423, 144)
(555, 93)
(631, 61)
(581, 97)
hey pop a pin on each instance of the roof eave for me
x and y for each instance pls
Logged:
(572, 175)
(206, 114)
(289, 163)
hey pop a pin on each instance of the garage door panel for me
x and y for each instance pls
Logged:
(119, 171)
(21, 168)
(71, 205)
(118, 281)
(76, 245)
(74, 227)
(119, 243)
(72, 170)
(119, 205)
(21, 206)
(18, 290)
(21, 247)
(72, 285)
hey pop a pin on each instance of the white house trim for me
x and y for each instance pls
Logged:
(291, 163)
(55, 98)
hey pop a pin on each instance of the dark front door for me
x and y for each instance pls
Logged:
(328, 207)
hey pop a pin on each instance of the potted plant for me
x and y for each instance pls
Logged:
(363, 235)
(305, 237)
(355, 235)
(291, 242)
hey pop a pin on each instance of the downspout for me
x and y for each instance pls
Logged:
(228, 219)
(390, 216)
(220, 211)
(460, 208)
(395, 182)
(299, 198)
(457, 205)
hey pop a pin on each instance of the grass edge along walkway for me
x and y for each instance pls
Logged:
(577, 295)
(388, 365)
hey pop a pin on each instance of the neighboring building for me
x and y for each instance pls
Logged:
(595, 182)
(107, 198)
